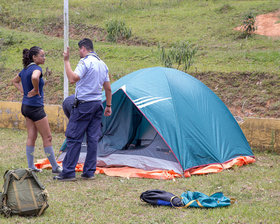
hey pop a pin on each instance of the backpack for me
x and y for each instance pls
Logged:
(159, 197)
(23, 194)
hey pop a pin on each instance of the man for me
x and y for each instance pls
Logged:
(90, 75)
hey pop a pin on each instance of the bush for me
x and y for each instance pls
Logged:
(117, 30)
(248, 24)
(181, 53)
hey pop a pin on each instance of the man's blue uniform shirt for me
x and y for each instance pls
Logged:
(93, 72)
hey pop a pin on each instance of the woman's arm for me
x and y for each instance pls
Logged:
(35, 82)
(17, 83)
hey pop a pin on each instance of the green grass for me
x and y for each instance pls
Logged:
(116, 200)
(208, 24)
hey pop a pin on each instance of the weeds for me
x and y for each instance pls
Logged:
(181, 53)
(9, 40)
(117, 30)
(225, 8)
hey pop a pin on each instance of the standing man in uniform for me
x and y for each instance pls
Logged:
(90, 75)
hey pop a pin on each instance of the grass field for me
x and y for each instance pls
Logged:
(242, 72)
(107, 199)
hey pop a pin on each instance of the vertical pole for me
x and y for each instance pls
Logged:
(66, 44)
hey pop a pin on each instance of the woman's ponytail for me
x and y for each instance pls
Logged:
(25, 57)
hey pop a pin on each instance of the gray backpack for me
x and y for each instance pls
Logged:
(22, 194)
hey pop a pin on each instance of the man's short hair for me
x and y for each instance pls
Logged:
(87, 43)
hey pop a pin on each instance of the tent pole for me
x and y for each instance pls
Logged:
(66, 44)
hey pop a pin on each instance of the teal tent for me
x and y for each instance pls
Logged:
(168, 120)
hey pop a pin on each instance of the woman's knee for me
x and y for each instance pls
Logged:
(49, 138)
(32, 138)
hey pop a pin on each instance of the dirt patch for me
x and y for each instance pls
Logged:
(76, 31)
(267, 24)
(79, 31)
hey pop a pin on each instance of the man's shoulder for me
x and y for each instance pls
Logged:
(93, 61)
(86, 60)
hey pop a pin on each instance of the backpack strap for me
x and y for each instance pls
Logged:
(23, 177)
(16, 195)
(7, 177)
(32, 173)
(197, 201)
(45, 205)
(232, 200)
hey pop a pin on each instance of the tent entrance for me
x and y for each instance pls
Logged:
(129, 139)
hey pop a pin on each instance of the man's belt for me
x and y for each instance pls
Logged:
(77, 102)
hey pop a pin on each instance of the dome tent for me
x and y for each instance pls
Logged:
(165, 119)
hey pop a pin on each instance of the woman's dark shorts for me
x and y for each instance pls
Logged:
(33, 113)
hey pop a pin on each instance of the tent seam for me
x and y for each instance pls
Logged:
(176, 114)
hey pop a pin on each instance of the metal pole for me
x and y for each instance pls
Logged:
(66, 43)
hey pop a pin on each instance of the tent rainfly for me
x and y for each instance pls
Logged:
(166, 120)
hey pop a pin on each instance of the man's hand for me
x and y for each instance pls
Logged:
(66, 54)
(107, 111)
(33, 92)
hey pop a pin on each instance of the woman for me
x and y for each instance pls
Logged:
(30, 82)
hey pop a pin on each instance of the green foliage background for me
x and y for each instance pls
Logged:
(207, 24)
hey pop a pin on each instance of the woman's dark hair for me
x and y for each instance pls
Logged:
(87, 43)
(27, 55)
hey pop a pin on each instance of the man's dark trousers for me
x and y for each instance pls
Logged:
(85, 118)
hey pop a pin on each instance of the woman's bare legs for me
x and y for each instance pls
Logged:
(44, 129)
(31, 132)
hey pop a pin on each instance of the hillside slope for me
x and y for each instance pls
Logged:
(244, 73)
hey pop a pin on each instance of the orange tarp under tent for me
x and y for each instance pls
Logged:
(129, 172)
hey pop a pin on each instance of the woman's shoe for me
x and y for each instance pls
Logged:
(36, 170)
(58, 170)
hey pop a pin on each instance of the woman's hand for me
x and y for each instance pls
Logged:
(33, 92)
